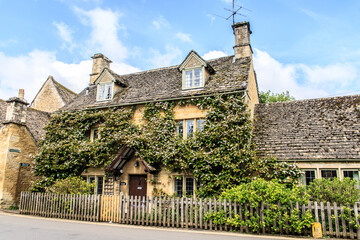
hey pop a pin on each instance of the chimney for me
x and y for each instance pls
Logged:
(99, 63)
(242, 46)
(16, 109)
(21, 93)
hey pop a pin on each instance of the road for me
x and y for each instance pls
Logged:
(19, 227)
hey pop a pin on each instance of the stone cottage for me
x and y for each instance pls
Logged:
(21, 128)
(322, 136)
(193, 78)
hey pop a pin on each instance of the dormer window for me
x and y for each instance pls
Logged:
(195, 71)
(194, 78)
(105, 91)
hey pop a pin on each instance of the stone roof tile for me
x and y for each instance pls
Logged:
(166, 83)
(314, 129)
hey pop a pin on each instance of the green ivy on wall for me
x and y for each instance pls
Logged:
(221, 156)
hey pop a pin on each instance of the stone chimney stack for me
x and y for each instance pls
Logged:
(242, 46)
(99, 63)
(16, 109)
(21, 93)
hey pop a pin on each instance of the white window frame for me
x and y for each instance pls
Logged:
(202, 79)
(349, 169)
(105, 98)
(303, 178)
(330, 169)
(96, 182)
(183, 178)
(184, 121)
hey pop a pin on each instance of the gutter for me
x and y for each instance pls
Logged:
(162, 100)
(320, 160)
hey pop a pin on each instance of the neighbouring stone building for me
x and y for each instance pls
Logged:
(52, 96)
(194, 77)
(21, 128)
(322, 136)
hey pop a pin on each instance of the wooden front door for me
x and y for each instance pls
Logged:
(138, 185)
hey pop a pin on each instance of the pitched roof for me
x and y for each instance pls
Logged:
(166, 83)
(315, 129)
(124, 155)
(35, 120)
(65, 94)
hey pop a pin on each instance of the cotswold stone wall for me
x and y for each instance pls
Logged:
(48, 99)
(16, 148)
(252, 90)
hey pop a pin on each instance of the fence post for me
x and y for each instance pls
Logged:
(357, 219)
(337, 227)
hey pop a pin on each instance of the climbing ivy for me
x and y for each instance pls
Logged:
(220, 156)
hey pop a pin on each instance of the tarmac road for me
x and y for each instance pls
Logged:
(20, 227)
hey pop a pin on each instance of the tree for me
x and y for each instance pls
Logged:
(266, 97)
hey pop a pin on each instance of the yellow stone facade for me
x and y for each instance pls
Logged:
(16, 150)
(49, 99)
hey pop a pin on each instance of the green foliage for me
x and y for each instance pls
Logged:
(270, 192)
(277, 199)
(13, 207)
(65, 150)
(340, 191)
(220, 156)
(71, 185)
(266, 97)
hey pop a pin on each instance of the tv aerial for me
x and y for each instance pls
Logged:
(234, 11)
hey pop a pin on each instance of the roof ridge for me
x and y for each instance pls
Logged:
(312, 99)
(165, 68)
(62, 86)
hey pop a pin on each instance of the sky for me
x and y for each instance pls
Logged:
(309, 48)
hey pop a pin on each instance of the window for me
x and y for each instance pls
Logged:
(180, 128)
(95, 134)
(184, 185)
(194, 78)
(200, 124)
(189, 187)
(308, 177)
(92, 134)
(353, 174)
(99, 187)
(328, 174)
(178, 186)
(190, 126)
(99, 183)
(105, 91)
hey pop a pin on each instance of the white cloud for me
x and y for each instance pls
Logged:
(213, 54)
(227, 1)
(303, 81)
(183, 37)
(169, 58)
(33, 69)
(104, 35)
(65, 33)
(160, 22)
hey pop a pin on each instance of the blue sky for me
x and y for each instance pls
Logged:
(311, 48)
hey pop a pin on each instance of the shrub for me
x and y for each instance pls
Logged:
(336, 190)
(71, 185)
(267, 191)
